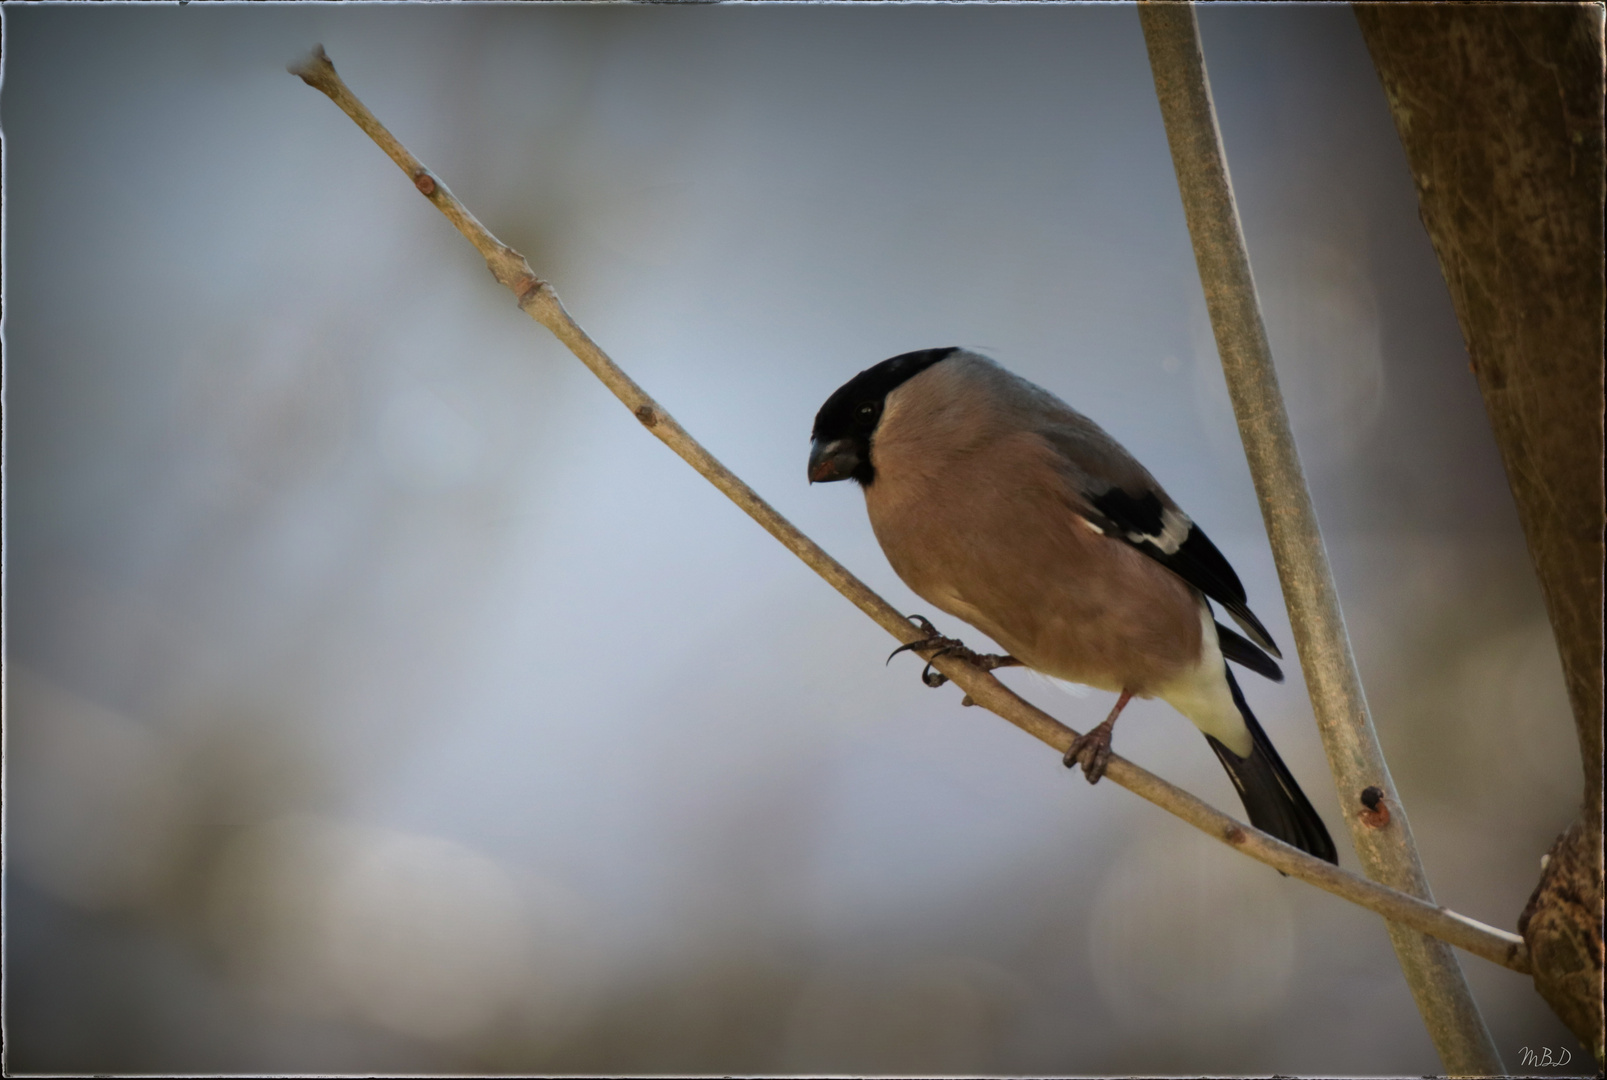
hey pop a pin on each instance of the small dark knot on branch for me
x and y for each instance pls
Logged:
(1234, 835)
(424, 182)
(647, 416)
(1376, 814)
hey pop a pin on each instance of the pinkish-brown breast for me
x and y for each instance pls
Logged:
(978, 521)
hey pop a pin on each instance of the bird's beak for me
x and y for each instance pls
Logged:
(835, 460)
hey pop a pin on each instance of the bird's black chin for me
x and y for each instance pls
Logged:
(838, 459)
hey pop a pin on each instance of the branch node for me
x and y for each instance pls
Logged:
(527, 287)
(424, 182)
(315, 69)
(647, 415)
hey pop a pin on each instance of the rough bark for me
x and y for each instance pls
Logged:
(1499, 108)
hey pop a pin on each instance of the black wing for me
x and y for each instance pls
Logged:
(1247, 654)
(1171, 539)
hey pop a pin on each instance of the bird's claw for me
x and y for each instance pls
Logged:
(932, 638)
(947, 646)
(1092, 752)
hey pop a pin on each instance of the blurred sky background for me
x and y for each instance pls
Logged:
(380, 696)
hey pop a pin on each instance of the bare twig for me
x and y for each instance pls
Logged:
(1383, 841)
(540, 302)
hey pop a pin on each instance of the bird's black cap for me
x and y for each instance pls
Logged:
(843, 425)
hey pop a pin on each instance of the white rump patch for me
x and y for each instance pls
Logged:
(1202, 693)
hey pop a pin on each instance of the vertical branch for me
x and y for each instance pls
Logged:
(1383, 841)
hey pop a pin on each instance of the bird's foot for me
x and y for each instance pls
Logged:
(1092, 752)
(947, 646)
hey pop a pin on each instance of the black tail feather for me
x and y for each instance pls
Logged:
(1272, 800)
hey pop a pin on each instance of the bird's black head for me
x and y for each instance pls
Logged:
(843, 426)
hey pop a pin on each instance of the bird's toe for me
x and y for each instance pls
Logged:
(1092, 752)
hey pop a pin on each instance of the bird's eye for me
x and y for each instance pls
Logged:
(866, 412)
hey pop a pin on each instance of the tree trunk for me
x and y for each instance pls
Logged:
(1499, 108)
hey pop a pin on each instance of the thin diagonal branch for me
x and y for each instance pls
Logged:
(537, 299)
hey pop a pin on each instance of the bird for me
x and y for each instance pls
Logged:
(999, 504)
